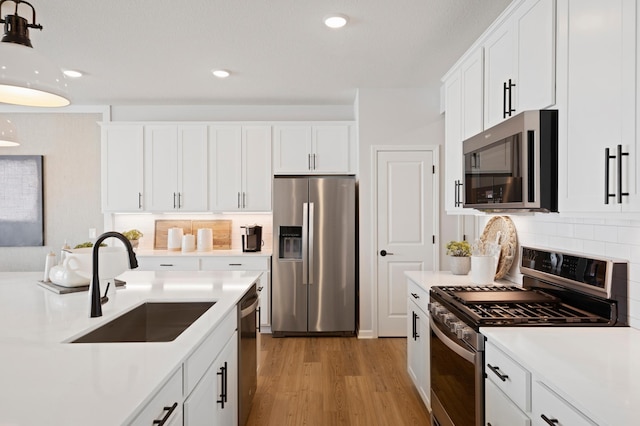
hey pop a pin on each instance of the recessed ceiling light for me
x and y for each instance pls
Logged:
(221, 73)
(72, 73)
(336, 21)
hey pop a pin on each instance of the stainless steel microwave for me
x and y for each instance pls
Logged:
(513, 166)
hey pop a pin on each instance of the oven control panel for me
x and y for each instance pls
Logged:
(451, 323)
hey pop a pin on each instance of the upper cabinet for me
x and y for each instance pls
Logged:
(519, 62)
(122, 168)
(175, 168)
(240, 177)
(314, 149)
(597, 89)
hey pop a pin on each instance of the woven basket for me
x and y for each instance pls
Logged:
(508, 241)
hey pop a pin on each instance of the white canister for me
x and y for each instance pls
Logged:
(483, 269)
(205, 239)
(174, 239)
(50, 262)
(188, 243)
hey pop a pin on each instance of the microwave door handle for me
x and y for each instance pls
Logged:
(467, 355)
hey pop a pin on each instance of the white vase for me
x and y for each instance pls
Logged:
(459, 265)
(483, 269)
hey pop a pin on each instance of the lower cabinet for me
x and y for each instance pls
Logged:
(418, 333)
(166, 405)
(214, 401)
(514, 396)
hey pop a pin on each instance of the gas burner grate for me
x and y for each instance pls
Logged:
(533, 313)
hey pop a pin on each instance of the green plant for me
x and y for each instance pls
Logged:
(458, 249)
(132, 234)
(87, 245)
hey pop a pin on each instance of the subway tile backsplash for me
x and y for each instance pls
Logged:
(613, 238)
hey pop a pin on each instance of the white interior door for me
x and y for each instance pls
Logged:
(405, 231)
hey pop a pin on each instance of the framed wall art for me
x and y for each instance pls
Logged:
(21, 201)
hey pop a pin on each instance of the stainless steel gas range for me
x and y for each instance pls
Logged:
(559, 289)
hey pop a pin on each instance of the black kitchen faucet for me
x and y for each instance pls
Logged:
(96, 300)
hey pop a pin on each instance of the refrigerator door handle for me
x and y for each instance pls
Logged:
(305, 241)
(310, 248)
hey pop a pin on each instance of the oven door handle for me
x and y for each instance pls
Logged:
(467, 355)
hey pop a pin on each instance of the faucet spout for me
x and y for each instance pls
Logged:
(96, 305)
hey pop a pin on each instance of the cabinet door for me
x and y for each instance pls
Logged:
(214, 400)
(423, 333)
(546, 404)
(330, 149)
(499, 410)
(291, 149)
(256, 168)
(122, 167)
(499, 67)
(535, 27)
(413, 346)
(596, 79)
(225, 144)
(161, 167)
(192, 172)
(453, 144)
(471, 74)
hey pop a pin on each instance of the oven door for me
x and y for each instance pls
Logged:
(457, 384)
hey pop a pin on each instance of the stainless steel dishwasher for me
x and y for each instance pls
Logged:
(247, 353)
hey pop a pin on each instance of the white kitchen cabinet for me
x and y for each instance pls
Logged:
(122, 167)
(240, 178)
(471, 76)
(516, 396)
(519, 62)
(314, 149)
(165, 405)
(454, 176)
(214, 400)
(597, 82)
(418, 334)
(175, 168)
(168, 263)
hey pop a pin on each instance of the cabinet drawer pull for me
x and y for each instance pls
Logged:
(497, 372)
(223, 391)
(260, 288)
(549, 421)
(166, 264)
(415, 296)
(169, 411)
(235, 264)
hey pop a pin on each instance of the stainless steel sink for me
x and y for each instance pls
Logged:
(149, 322)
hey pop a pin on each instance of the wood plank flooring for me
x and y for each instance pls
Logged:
(335, 381)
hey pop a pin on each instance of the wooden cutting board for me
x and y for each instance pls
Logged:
(221, 232)
(162, 231)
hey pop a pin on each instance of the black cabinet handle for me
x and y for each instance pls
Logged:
(506, 101)
(260, 288)
(549, 421)
(413, 325)
(496, 370)
(235, 264)
(169, 411)
(309, 161)
(415, 296)
(620, 193)
(223, 392)
(511, 86)
(259, 311)
(607, 158)
(166, 264)
(139, 200)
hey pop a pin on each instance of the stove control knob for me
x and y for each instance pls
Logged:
(463, 332)
(454, 326)
(448, 319)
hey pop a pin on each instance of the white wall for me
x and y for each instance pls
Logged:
(610, 237)
(70, 143)
(391, 117)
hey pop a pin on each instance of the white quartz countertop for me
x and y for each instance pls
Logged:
(48, 381)
(427, 279)
(195, 253)
(595, 369)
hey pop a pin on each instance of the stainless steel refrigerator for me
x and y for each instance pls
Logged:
(314, 256)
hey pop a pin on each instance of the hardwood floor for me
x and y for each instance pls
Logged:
(335, 381)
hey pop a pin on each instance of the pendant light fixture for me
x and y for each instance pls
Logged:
(8, 135)
(27, 77)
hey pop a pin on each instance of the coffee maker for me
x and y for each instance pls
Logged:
(252, 238)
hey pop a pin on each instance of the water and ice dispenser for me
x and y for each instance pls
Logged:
(290, 243)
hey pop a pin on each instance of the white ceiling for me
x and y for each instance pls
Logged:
(279, 52)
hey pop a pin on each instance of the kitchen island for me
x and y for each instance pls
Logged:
(47, 380)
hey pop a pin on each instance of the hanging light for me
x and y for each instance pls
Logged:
(27, 77)
(8, 135)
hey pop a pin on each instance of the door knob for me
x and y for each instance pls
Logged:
(384, 253)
